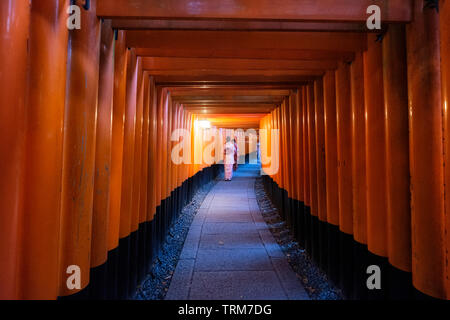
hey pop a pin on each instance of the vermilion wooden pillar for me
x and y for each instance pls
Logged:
(152, 151)
(312, 148)
(117, 143)
(343, 127)
(320, 151)
(293, 160)
(137, 148)
(359, 177)
(292, 142)
(144, 231)
(14, 31)
(100, 212)
(358, 150)
(168, 164)
(329, 89)
(444, 18)
(375, 161)
(306, 185)
(128, 148)
(426, 150)
(280, 173)
(165, 139)
(151, 189)
(286, 159)
(135, 195)
(331, 171)
(312, 172)
(158, 155)
(344, 153)
(79, 148)
(164, 130)
(397, 159)
(127, 175)
(321, 174)
(375, 149)
(145, 149)
(299, 165)
(46, 96)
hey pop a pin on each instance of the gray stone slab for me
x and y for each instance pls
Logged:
(228, 227)
(272, 247)
(181, 281)
(236, 285)
(289, 280)
(231, 207)
(190, 249)
(222, 210)
(231, 241)
(229, 218)
(232, 259)
(198, 220)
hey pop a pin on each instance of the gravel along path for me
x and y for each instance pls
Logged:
(314, 280)
(157, 282)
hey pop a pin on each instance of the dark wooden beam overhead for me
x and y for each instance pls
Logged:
(233, 40)
(290, 10)
(186, 87)
(167, 63)
(237, 72)
(225, 107)
(231, 79)
(189, 92)
(234, 25)
(230, 110)
(243, 53)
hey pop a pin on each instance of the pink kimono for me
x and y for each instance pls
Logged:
(228, 160)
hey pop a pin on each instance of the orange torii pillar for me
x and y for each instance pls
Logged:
(152, 174)
(306, 186)
(321, 175)
(331, 171)
(426, 152)
(14, 28)
(144, 230)
(45, 117)
(176, 198)
(314, 224)
(359, 178)
(79, 151)
(117, 138)
(279, 174)
(127, 176)
(163, 109)
(397, 162)
(298, 126)
(135, 196)
(286, 162)
(157, 166)
(164, 165)
(291, 135)
(375, 161)
(344, 151)
(100, 214)
(445, 73)
(293, 160)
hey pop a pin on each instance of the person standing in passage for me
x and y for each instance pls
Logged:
(236, 154)
(228, 159)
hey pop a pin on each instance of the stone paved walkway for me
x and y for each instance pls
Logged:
(229, 253)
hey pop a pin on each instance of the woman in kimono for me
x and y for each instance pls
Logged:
(228, 159)
(236, 155)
